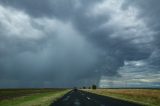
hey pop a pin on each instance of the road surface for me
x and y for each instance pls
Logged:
(81, 98)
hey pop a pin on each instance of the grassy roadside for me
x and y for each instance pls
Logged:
(148, 97)
(39, 99)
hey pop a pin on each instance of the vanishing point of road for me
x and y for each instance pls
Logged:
(82, 98)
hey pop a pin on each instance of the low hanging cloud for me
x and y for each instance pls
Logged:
(64, 43)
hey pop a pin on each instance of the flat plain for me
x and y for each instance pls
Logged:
(45, 97)
(30, 97)
(148, 97)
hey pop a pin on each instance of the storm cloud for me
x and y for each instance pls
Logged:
(66, 43)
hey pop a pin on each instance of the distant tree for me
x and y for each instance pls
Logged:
(94, 87)
(89, 87)
(84, 87)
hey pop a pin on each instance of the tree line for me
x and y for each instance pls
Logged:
(90, 87)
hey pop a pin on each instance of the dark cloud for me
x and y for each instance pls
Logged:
(65, 43)
(63, 9)
(149, 12)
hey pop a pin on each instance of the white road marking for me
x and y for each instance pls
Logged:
(88, 98)
(77, 103)
(65, 99)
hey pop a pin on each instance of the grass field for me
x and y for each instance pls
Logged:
(148, 97)
(30, 97)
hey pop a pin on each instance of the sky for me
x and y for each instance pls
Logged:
(67, 43)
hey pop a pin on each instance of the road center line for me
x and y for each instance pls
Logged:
(65, 99)
(88, 98)
(77, 103)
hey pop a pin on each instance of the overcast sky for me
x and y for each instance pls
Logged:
(66, 43)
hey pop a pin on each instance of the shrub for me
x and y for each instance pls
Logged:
(94, 87)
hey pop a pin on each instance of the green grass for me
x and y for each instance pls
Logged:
(147, 97)
(12, 93)
(34, 99)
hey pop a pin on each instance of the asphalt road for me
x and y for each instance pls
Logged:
(81, 98)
